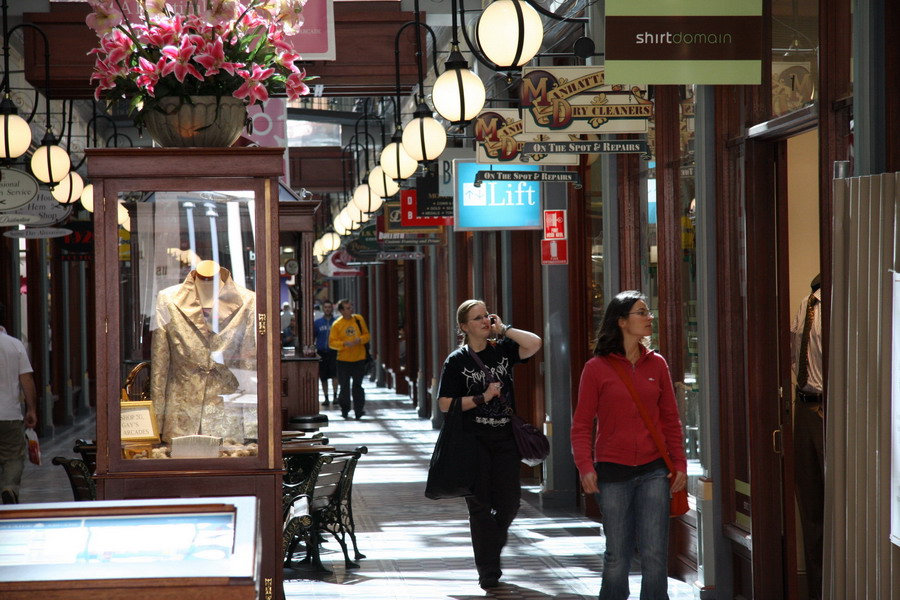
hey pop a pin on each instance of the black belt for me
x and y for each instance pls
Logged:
(807, 397)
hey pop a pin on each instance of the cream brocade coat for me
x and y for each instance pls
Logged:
(193, 369)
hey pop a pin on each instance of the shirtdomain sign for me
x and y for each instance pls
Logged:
(494, 204)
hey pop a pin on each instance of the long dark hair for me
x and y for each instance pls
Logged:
(609, 337)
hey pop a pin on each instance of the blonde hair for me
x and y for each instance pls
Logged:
(462, 314)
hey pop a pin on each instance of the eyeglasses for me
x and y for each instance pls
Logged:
(643, 314)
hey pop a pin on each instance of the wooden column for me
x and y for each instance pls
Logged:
(628, 166)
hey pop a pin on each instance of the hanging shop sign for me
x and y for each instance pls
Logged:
(414, 255)
(315, 40)
(390, 221)
(410, 216)
(42, 210)
(37, 233)
(701, 42)
(17, 188)
(443, 169)
(336, 265)
(428, 201)
(578, 100)
(595, 147)
(13, 218)
(541, 176)
(495, 205)
(500, 135)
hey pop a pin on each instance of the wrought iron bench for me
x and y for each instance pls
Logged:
(80, 478)
(322, 502)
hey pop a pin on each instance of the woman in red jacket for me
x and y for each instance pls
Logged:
(624, 467)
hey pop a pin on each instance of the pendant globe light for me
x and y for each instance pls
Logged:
(87, 197)
(331, 242)
(69, 189)
(382, 185)
(50, 163)
(14, 130)
(509, 33)
(396, 161)
(365, 199)
(458, 94)
(424, 138)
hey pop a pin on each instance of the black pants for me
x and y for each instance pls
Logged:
(496, 500)
(345, 372)
(809, 470)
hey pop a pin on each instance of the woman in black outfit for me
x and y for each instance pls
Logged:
(488, 400)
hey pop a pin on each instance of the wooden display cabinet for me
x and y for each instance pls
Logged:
(136, 549)
(193, 289)
(300, 372)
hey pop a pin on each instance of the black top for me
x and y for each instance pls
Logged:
(610, 472)
(461, 376)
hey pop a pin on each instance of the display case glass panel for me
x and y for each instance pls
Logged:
(188, 277)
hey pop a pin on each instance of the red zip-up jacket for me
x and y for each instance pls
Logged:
(622, 436)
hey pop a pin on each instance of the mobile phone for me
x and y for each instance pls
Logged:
(493, 320)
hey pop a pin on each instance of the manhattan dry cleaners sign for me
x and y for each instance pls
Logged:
(704, 42)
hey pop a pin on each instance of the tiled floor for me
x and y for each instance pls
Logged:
(416, 549)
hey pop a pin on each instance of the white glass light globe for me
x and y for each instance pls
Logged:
(87, 197)
(69, 189)
(331, 242)
(397, 162)
(345, 220)
(357, 215)
(498, 32)
(126, 225)
(317, 247)
(382, 185)
(424, 138)
(19, 134)
(446, 95)
(338, 223)
(122, 214)
(365, 199)
(59, 164)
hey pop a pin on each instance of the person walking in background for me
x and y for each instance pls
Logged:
(489, 401)
(630, 478)
(328, 362)
(809, 431)
(15, 374)
(349, 336)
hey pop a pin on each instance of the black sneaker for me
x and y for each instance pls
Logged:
(489, 582)
(9, 497)
(360, 414)
(326, 404)
(346, 415)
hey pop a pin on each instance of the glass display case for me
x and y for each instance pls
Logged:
(202, 548)
(187, 319)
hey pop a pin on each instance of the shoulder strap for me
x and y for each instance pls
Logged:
(480, 363)
(654, 432)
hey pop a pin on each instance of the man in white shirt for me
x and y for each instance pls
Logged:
(15, 374)
(809, 431)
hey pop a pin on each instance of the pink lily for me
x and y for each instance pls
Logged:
(149, 74)
(253, 86)
(104, 17)
(212, 58)
(179, 60)
(295, 86)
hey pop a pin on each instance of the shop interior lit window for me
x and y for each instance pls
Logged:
(795, 54)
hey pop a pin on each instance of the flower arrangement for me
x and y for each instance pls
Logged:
(148, 50)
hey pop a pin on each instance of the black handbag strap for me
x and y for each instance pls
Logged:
(489, 376)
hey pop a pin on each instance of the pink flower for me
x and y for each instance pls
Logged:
(116, 45)
(163, 33)
(149, 74)
(179, 60)
(222, 12)
(212, 58)
(105, 16)
(253, 87)
(105, 74)
(295, 86)
(285, 55)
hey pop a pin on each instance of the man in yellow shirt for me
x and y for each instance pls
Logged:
(349, 336)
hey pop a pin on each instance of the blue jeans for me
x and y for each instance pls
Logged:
(635, 516)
